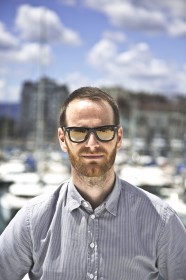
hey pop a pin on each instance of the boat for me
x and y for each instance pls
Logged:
(17, 196)
(155, 180)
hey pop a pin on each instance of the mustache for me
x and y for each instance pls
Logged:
(86, 150)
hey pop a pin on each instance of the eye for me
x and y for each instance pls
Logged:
(78, 134)
(79, 130)
(105, 129)
(105, 133)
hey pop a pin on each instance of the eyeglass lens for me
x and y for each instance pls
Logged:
(78, 134)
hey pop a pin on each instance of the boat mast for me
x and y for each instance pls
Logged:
(41, 96)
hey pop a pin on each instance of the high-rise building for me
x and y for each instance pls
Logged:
(39, 110)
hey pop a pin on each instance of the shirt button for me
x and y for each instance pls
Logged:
(91, 276)
(92, 245)
(92, 216)
(85, 204)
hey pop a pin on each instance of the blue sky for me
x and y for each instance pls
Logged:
(135, 44)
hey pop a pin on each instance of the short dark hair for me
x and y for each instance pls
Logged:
(91, 93)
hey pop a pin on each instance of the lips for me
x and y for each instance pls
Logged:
(92, 156)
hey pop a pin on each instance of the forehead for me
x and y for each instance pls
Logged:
(92, 112)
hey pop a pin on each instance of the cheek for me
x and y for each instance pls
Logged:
(71, 148)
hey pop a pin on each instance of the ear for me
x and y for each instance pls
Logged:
(119, 138)
(61, 138)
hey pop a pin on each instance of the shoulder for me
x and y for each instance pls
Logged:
(46, 204)
(138, 192)
(146, 202)
(39, 214)
(46, 199)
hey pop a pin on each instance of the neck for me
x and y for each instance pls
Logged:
(94, 189)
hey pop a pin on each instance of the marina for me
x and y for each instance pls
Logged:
(18, 184)
(20, 181)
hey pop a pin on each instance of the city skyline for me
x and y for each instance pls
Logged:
(137, 45)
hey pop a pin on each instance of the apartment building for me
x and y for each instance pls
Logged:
(39, 109)
(152, 122)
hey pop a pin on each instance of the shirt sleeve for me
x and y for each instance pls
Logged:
(15, 247)
(172, 249)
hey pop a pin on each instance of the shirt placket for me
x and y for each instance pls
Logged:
(92, 257)
(92, 244)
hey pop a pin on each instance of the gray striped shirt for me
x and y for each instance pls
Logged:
(133, 235)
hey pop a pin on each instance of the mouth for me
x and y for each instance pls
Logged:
(92, 156)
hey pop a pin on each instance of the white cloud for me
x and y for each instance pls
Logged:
(29, 53)
(7, 40)
(180, 79)
(177, 28)
(34, 53)
(9, 93)
(140, 50)
(41, 24)
(135, 68)
(75, 80)
(115, 36)
(172, 7)
(2, 86)
(128, 16)
(143, 15)
(102, 53)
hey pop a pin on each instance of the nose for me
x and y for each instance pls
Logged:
(92, 141)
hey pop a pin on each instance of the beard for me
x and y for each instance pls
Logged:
(93, 168)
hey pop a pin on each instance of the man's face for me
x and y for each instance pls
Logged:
(91, 158)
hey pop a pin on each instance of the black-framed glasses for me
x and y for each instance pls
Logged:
(80, 134)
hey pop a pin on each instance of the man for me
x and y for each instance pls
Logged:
(94, 226)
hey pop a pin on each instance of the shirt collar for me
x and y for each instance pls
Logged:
(113, 199)
(75, 200)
